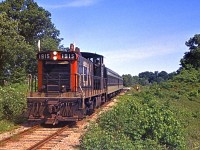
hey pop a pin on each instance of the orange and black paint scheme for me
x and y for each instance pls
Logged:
(69, 85)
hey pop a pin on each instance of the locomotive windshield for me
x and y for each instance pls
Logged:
(56, 67)
(56, 75)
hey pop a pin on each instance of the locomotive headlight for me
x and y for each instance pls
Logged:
(55, 58)
(55, 53)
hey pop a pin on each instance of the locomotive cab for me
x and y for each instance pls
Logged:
(98, 69)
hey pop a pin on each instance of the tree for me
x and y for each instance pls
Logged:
(150, 76)
(13, 49)
(48, 43)
(29, 23)
(193, 56)
(172, 74)
(163, 74)
(143, 81)
(34, 21)
(135, 80)
(128, 81)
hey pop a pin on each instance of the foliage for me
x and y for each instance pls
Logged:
(98, 139)
(161, 116)
(190, 75)
(48, 43)
(6, 125)
(141, 121)
(22, 24)
(12, 46)
(182, 92)
(146, 78)
(128, 81)
(34, 21)
(12, 101)
(154, 77)
(193, 56)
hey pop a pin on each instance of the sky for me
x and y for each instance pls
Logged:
(134, 36)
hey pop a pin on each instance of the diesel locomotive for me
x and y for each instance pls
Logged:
(69, 85)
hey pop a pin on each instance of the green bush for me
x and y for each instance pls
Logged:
(99, 139)
(12, 101)
(141, 121)
(160, 116)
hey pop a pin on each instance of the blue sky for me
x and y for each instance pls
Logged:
(133, 35)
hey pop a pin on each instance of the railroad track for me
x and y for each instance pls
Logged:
(37, 137)
(43, 137)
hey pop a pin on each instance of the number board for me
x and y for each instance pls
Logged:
(44, 56)
(68, 56)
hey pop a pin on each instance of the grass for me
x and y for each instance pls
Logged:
(185, 100)
(6, 125)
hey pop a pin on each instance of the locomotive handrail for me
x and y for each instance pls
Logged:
(53, 83)
(29, 81)
(80, 85)
(83, 95)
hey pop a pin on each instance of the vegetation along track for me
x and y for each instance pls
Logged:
(36, 137)
(47, 137)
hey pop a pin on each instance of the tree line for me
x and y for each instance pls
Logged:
(190, 61)
(146, 78)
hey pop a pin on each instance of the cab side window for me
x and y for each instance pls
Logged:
(85, 74)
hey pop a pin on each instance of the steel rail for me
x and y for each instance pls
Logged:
(42, 142)
(19, 134)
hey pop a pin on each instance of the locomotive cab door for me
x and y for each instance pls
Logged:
(85, 70)
(99, 72)
(86, 73)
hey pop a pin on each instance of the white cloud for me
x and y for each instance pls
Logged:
(74, 3)
(135, 54)
(80, 3)
(135, 60)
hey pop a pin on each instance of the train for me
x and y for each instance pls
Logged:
(69, 85)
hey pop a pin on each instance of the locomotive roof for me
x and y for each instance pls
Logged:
(91, 55)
